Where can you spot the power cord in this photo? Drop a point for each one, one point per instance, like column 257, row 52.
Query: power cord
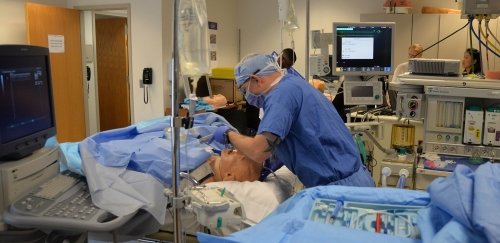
column 146, row 94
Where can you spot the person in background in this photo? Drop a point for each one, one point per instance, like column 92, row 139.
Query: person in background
column 414, row 51
column 286, row 59
column 471, row 62
column 300, row 127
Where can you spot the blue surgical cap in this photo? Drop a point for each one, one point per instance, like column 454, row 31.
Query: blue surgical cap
column 258, row 64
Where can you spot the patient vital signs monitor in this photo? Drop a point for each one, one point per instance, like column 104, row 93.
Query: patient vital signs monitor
column 363, row 93
column 363, row 48
column 362, row 51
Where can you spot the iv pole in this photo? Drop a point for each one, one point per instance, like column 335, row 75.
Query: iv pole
column 175, row 124
column 307, row 42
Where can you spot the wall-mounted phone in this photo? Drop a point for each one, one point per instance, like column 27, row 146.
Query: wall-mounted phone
column 147, row 79
column 87, row 78
column 89, row 74
column 147, row 76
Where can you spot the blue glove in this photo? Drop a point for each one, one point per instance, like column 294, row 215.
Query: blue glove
column 220, row 135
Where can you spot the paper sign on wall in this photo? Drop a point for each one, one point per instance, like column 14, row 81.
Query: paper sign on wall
column 212, row 30
column 56, row 43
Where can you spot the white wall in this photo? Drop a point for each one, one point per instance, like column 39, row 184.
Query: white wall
column 91, row 91
column 12, row 19
column 151, row 28
column 224, row 13
column 147, row 51
column 260, row 27
column 167, row 50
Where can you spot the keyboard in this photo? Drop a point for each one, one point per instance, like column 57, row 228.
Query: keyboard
column 62, row 203
column 57, row 185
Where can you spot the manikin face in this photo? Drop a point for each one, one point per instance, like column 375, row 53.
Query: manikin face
column 232, row 165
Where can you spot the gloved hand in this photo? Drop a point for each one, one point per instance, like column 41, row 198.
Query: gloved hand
column 220, row 135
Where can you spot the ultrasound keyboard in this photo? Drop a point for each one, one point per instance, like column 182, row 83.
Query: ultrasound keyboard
column 57, row 185
column 62, row 203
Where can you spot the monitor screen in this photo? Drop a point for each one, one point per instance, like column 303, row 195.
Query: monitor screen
column 363, row 48
column 363, row 93
column 26, row 104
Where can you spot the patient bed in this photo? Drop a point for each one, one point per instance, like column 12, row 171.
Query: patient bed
column 458, row 208
column 127, row 170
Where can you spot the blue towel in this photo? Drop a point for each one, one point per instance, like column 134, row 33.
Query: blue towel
column 465, row 204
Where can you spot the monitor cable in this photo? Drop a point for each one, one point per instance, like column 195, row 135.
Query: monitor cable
column 491, row 32
column 456, row 31
column 479, row 39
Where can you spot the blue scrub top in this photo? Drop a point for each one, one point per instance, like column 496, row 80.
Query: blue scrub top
column 292, row 71
column 315, row 143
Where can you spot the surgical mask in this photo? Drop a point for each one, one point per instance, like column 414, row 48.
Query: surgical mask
column 253, row 99
column 258, row 100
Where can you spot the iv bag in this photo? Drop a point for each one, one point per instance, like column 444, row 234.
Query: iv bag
column 290, row 22
column 192, row 38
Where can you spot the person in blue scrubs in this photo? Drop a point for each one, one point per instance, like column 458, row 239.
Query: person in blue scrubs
column 300, row 127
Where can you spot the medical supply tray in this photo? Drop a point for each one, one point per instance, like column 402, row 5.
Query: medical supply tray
column 397, row 220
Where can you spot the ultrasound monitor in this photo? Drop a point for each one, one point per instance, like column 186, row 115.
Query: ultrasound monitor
column 363, row 49
column 26, row 102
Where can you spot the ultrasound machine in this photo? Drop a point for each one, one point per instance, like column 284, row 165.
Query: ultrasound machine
column 35, row 197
